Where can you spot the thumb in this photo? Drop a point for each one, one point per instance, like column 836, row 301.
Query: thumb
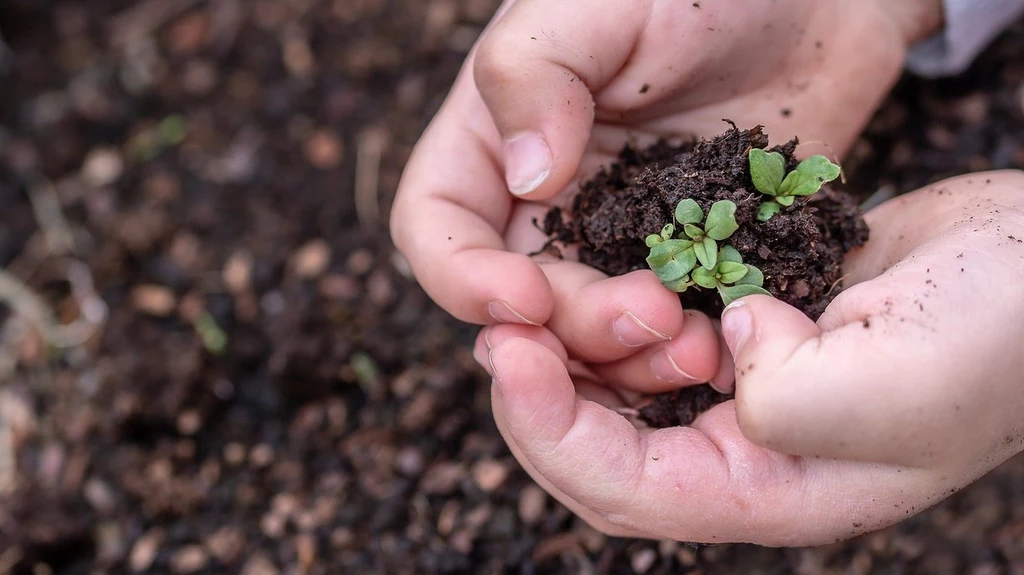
column 847, row 393
column 537, row 69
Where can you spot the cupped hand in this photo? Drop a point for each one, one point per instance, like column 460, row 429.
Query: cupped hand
column 554, row 89
column 906, row 389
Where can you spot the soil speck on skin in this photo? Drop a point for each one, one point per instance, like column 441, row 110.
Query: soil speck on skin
column 787, row 112
column 645, row 88
column 696, row 5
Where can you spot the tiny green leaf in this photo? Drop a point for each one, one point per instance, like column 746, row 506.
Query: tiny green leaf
column 809, row 176
column 653, row 240
column 820, row 168
column 688, row 212
column 731, row 272
column 705, row 278
column 668, row 231
column 754, row 277
column 679, row 285
column 730, row 294
column 767, row 170
column 672, row 259
column 693, row 232
column 707, row 253
column 721, row 220
column 729, row 254
column 767, row 209
column 711, row 247
column 785, row 200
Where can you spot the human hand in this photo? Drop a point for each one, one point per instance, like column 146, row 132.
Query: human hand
column 908, row 388
column 554, row 89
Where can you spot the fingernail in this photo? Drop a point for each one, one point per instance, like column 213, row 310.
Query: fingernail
column 487, row 338
column 665, row 369
column 727, row 389
column 494, row 372
column 527, row 163
column 504, row 313
column 631, row 332
column 737, row 326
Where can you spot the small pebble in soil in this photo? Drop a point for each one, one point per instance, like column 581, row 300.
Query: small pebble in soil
column 102, row 167
column 312, row 259
column 153, row 300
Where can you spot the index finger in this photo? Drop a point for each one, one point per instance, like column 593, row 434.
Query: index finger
column 449, row 215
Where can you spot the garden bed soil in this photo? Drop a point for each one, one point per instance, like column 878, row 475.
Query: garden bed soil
column 346, row 428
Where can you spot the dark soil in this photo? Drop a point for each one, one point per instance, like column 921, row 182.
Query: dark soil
column 681, row 407
column 345, row 428
column 800, row 250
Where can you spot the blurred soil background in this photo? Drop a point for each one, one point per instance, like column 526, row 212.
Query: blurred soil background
column 248, row 379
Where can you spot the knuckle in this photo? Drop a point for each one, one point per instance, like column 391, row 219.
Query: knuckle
column 758, row 416
column 495, row 65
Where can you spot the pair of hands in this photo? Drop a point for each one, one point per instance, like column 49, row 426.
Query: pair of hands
column 906, row 389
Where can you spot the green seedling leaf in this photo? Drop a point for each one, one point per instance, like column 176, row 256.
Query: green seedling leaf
column 213, row 337
column 694, row 232
column 809, row 176
column 731, row 272
column 365, row 370
column 767, row 170
column 729, row 254
column 767, row 210
column 671, row 260
column 653, row 240
column 688, row 212
column 721, row 220
column 730, row 294
column 705, row 278
column 707, row 253
column 785, row 200
column 680, row 285
column 668, row 231
column 754, row 277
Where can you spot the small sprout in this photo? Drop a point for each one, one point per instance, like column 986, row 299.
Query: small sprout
column 666, row 234
column 768, row 209
column 674, row 260
column 365, row 371
column 768, row 172
column 719, row 225
column 731, row 277
column 213, row 337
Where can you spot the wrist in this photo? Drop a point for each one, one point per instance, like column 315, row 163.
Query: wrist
column 916, row 19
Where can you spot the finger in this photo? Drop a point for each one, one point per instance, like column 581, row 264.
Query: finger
column 492, row 336
column 537, row 69
column 601, row 319
column 725, row 378
column 881, row 372
column 449, row 216
column 705, row 483
column 692, row 357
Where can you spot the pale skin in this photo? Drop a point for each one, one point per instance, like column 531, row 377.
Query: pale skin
column 905, row 390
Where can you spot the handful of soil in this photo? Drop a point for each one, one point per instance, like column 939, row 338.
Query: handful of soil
column 800, row 250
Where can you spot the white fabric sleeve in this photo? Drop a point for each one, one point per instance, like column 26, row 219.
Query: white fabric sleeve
column 970, row 26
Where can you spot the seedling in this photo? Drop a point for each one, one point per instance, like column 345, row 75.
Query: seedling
column 674, row 258
column 768, row 171
column 731, row 277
